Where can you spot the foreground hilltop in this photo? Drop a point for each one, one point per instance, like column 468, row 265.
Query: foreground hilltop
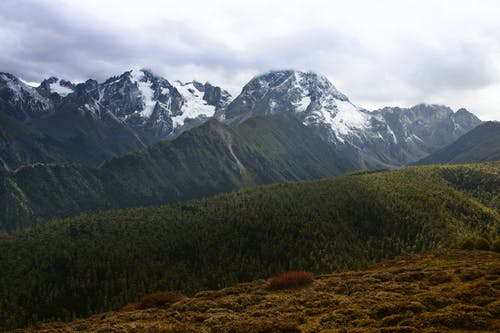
column 442, row 291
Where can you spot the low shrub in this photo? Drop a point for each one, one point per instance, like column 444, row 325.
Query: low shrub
column 290, row 280
column 474, row 243
column 482, row 243
column 466, row 244
column 161, row 299
column 495, row 246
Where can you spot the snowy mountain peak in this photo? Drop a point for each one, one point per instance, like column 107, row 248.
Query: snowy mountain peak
column 21, row 100
column 312, row 97
column 387, row 137
column 306, row 83
column 151, row 102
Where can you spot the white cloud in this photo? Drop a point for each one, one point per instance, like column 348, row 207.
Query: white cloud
column 377, row 52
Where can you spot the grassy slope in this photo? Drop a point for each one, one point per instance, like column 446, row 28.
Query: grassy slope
column 443, row 291
column 95, row 263
column 208, row 160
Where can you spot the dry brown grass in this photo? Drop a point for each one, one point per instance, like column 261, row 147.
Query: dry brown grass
column 445, row 291
column 160, row 299
column 290, row 280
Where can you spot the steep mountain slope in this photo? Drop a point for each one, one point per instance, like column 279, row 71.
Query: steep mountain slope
column 445, row 291
column 207, row 160
column 94, row 263
column 91, row 122
column 20, row 101
column 386, row 137
column 479, row 145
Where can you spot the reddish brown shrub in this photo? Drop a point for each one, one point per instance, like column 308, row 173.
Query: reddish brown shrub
column 160, row 299
column 290, row 280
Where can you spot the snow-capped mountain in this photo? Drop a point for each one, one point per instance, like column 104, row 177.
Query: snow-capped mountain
column 99, row 120
column 153, row 104
column 89, row 122
column 386, row 137
column 138, row 97
column 312, row 97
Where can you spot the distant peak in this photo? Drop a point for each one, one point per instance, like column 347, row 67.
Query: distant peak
column 463, row 111
column 52, row 79
column 7, row 76
column 289, row 79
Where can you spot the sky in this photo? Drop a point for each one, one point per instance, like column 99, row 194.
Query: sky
column 379, row 53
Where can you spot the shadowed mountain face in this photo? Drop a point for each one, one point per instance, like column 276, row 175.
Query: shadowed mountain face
column 207, row 160
column 478, row 145
column 89, row 122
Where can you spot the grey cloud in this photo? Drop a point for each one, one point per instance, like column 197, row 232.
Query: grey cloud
column 50, row 43
column 43, row 38
column 463, row 67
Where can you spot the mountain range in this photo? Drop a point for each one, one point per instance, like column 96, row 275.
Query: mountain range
column 90, row 122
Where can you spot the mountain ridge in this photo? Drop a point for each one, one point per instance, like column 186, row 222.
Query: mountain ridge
column 135, row 109
column 209, row 159
column 129, row 112
column 478, row 145
column 388, row 137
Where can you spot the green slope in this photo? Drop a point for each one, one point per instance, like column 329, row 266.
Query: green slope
column 207, row 160
column 94, row 263
column 481, row 144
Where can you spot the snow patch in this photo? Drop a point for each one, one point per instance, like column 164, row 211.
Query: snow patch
column 348, row 118
column 272, row 105
column 29, row 83
column 194, row 105
column 146, row 92
column 61, row 90
column 302, row 105
column 391, row 132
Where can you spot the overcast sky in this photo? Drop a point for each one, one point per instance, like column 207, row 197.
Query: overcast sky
column 378, row 53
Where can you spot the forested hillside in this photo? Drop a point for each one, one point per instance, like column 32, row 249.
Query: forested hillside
column 207, row 160
column 94, row 263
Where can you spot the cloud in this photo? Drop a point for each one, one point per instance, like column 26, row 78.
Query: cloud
column 378, row 53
